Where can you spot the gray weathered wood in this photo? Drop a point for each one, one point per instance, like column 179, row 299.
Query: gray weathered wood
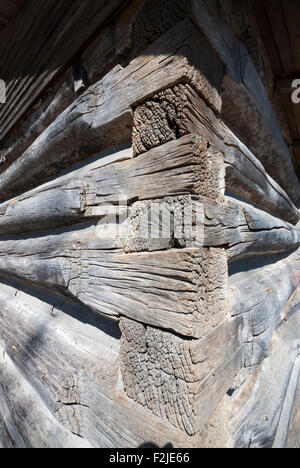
column 241, row 229
column 97, row 59
column 43, row 42
column 174, row 383
column 258, row 409
column 178, row 167
column 177, row 111
column 261, row 295
column 245, row 105
column 247, row 231
column 77, row 264
column 75, row 370
column 182, row 166
column 247, row 177
column 101, row 117
column 35, row 423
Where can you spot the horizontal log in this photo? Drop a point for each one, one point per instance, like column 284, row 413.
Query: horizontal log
column 178, row 167
column 255, row 419
column 164, row 223
column 186, row 221
column 247, row 178
column 36, row 427
column 170, row 114
column 262, row 295
column 177, row 111
column 97, row 60
column 183, row 166
column 245, row 175
column 293, row 434
column 246, row 231
column 42, row 49
column 245, row 105
column 83, row 266
column 75, row 370
column 101, row 117
column 288, row 407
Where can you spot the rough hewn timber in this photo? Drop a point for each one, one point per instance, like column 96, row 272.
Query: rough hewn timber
column 43, row 41
column 166, row 374
column 162, row 171
column 241, row 229
column 74, row 368
column 261, row 295
column 177, row 111
column 101, row 117
column 178, row 290
column 35, row 424
column 245, row 105
column 110, row 48
column 190, row 164
column 260, row 412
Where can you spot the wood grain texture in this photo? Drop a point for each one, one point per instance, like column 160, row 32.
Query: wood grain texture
column 177, row 111
column 179, row 166
column 245, row 105
column 261, row 295
column 43, row 43
column 247, row 231
column 166, row 374
column 187, row 165
column 35, row 424
column 152, row 286
column 112, row 46
column 174, row 288
column 255, row 415
column 101, row 117
column 186, row 221
column 72, row 370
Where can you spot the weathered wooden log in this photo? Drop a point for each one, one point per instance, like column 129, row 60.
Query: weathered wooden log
column 9, row 436
column 246, row 177
column 64, row 262
column 177, row 111
column 166, row 223
column 174, row 287
column 97, row 59
column 180, row 166
column 246, row 231
column 261, row 295
column 186, row 221
column 293, row 426
column 30, row 65
column 169, row 375
column 188, row 165
column 101, row 117
column 292, row 392
column 255, row 415
column 74, row 369
column 124, row 330
column 245, row 105
column 35, row 424
column 134, row 29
